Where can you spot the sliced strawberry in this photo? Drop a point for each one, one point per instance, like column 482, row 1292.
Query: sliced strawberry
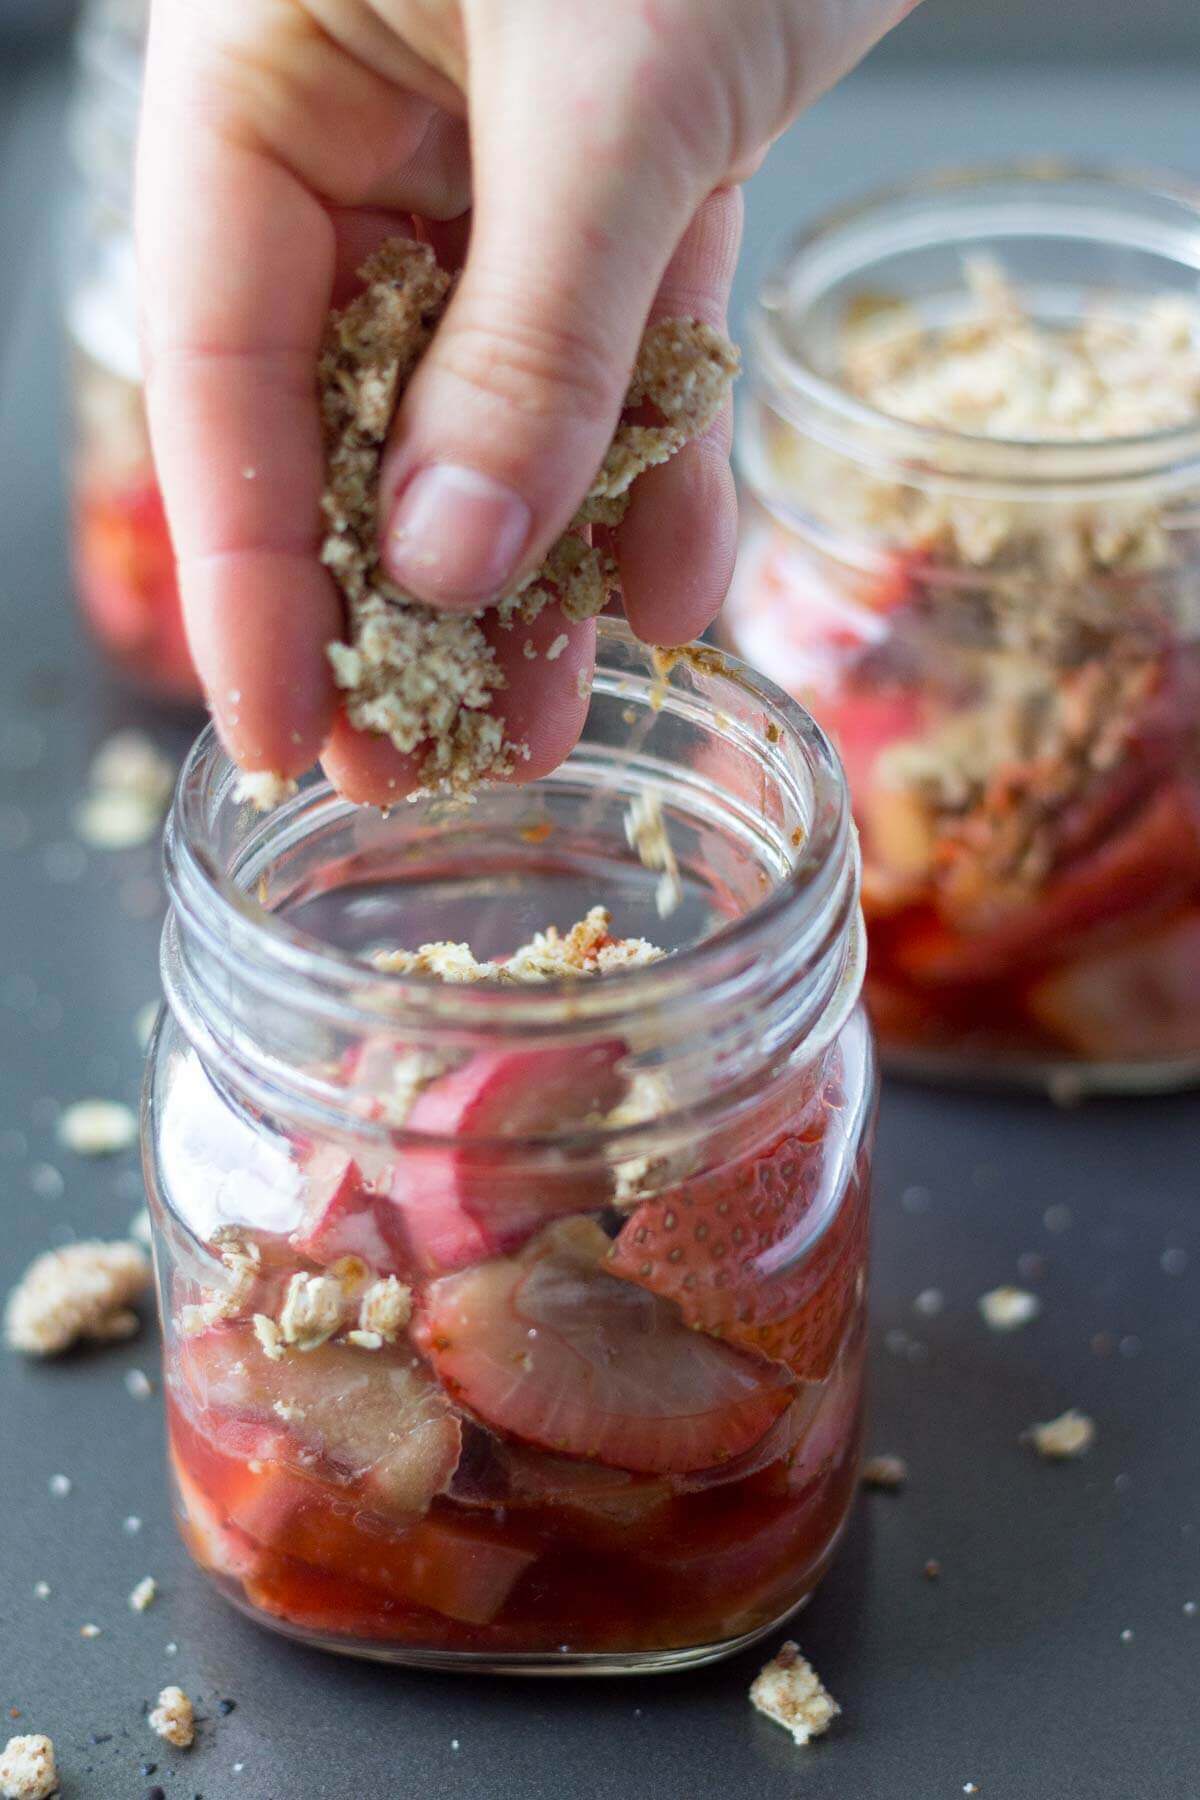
column 1146, row 868
column 462, row 1202
column 1140, row 1002
column 345, row 1216
column 371, row 1417
column 461, row 1570
column 730, row 1248
column 548, row 1347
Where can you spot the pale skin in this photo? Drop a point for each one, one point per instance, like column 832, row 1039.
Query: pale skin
column 594, row 149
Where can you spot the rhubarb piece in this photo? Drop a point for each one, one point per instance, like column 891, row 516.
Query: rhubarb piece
column 1138, row 1002
column 345, row 1216
column 731, row 1250
column 548, row 1347
column 466, row 1200
column 374, row 1419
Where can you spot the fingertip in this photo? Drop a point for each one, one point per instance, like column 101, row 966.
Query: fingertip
column 366, row 769
column 677, row 544
column 548, row 691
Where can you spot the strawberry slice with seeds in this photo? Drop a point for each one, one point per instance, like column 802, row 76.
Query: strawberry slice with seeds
column 464, row 1201
column 731, row 1249
column 549, row 1348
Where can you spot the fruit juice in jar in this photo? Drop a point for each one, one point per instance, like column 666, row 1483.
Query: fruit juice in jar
column 972, row 451
column 514, row 1294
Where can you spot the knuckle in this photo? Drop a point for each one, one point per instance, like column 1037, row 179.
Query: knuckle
column 543, row 370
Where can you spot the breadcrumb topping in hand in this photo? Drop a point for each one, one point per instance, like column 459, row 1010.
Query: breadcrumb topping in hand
column 419, row 676
column 789, row 1691
column 81, row 1291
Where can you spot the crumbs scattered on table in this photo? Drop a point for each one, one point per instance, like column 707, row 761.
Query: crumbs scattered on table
column 129, row 785
column 132, row 1525
column 89, row 1631
column 81, row 1291
column 932, row 1570
column 138, row 1384
column 97, row 1127
column 173, row 1717
column 1008, row 1308
column 144, row 1594
column 27, row 1768
column 887, row 1473
column 60, row 1486
column 42, row 1590
column 1071, row 1434
column 789, row 1691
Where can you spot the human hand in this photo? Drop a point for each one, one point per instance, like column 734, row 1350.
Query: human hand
column 599, row 144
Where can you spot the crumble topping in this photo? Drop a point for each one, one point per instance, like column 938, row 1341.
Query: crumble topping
column 129, row 786
column 789, row 1691
column 1071, row 1434
column 81, row 1291
column 174, row 1718
column 1008, row 1308
column 263, row 789
column 425, row 678
column 27, row 1768
column 97, row 1127
column 311, row 1311
column 588, row 948
column 268, row 1334
column 385, row 1309
column 241, row 1259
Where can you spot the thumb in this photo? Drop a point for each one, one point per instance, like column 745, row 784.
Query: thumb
column 577, row 208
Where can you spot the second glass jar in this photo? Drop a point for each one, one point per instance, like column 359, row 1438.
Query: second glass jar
column 521, row 1326
column 1002, row 636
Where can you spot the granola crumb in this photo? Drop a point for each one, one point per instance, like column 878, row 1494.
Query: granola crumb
column 1072, row 1434
column 174, row 1718
column 144, row 1594
column 81, row 1291
column 288, row 1411
column 424, row 678
column 588, row 948
column 385, row 1308
column 263, row 789
column 932, row 1570
column 789, row 1691
column 138, row 1384
column 311, row 1311
column 27, row 1768
column 97, row 1127
column 364, row 1340
column 888, row 1473
column 60, row 1486
column 129, row 785
column 1008, row 1308
column 268, row 1335
column 556, row 649
column 41, row 1590
column 131, row 1525
column 89, row 1631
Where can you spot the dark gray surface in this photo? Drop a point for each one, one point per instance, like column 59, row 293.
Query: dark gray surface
column 1010, row 1671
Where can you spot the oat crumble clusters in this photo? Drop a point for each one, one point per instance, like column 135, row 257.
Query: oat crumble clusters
column 174, row 1718
column 311, row 1311
column 426, row 678
column 263, row 789
column 241, row 1259
column 27, row 1768
column 887, row 1473
column 1071, row 1434
column 144, row 1594
column 129, row 786
column 385, row 1308
column 1008, row 1308
column 789, row 1691
column 81, row 1291
column 588, row 948
column 97, row 1127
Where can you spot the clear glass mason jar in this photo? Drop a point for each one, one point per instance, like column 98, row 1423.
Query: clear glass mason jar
column 123, row 562
column 1002, row 637
column 621, row 1428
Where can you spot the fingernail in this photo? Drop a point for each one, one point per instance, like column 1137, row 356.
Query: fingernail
column 456, row 535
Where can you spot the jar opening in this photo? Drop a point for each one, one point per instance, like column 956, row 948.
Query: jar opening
column 268, row 955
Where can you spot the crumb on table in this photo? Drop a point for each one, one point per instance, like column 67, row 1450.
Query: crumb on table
column 27, row 1768
column 789, row 1691
column 173, row 1717
column 80, row 1291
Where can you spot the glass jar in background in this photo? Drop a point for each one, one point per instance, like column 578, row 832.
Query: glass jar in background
column 521, row 1325
column 121, row 550
column 971, row 450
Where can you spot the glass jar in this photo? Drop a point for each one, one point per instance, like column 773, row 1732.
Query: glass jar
column 123, row 562
column 1000, row 634
column 601, row 1409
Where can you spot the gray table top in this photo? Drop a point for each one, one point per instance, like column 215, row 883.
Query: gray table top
column 1058, row 1654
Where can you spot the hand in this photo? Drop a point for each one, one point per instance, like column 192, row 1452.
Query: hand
column 598, row 144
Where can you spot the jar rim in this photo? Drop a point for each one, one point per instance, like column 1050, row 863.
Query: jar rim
column 798, row 390
column 811, row 908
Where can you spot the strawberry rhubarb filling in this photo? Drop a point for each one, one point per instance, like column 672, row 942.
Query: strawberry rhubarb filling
column 479, row 1398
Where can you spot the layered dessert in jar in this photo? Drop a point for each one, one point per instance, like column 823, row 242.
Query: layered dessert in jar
column 972, row 551
column 514, row 1282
